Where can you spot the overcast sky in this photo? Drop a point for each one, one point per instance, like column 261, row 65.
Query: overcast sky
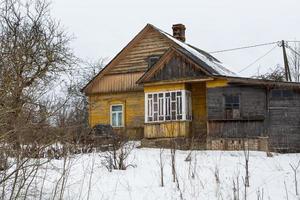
column 103, row 28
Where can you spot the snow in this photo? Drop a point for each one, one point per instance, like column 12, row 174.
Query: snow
column 267, row 174
column 221, row 70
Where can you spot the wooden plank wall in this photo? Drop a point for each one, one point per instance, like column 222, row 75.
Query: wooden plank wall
column 167, row 129
column 199, row 116
column 136, row 59
column 236, row 128
column 165, row 87
column 252, row 101
column 177, row 68
column 285, row 122
column 261, row 115
column 124, row 74
column 252, row 109
column 99, row 111
column 118, row 83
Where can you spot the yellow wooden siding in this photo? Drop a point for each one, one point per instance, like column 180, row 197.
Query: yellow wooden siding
column 199, row 109
column 135, row 60
column 99, row 111
column 167, row 129
column 121, row 75
column 118, row 83
column 168, row 87
column 217, row 83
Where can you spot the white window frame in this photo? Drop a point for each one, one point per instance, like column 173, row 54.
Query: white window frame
column 111, row 114
column 163, row 112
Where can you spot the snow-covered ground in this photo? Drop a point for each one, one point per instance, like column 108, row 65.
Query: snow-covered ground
column 272, row 177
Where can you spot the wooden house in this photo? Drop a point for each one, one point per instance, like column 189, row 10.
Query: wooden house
column 159, row 86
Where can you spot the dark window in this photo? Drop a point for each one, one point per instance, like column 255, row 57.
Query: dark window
column 287, row 93
column 232, row 106
column 152, row 60
column 277, row 93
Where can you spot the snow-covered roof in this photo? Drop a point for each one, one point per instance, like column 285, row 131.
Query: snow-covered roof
column 212, row 64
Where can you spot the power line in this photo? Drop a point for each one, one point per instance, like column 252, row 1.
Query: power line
column 292, row 41
column 258, row 59
column 290, row 48
column 245, row 47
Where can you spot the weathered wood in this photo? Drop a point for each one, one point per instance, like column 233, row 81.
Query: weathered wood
column 199, row 116
column 150, row 44
column 252, row 106
column 261, row 115
column 147, row 42
column 167, row 129
column 177, row 68
column 236, row 129
column 253, row 101
column 133, row 102
column 165, row 87
column 285, row 121
column 118, row 83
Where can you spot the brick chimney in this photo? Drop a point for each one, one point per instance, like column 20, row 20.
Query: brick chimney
column 179, row 32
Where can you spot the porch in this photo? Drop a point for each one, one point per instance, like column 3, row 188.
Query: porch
column 176, row 110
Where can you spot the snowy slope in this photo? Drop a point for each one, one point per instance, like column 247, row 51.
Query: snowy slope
column 267, row 175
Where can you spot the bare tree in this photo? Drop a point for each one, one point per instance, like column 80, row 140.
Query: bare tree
column 277, row 74
column 173, row 159
column 34, row 53
column 295, row 170
column 76, row 115
column 161, row 164
column 236, row 188
column 294, row 61
column 286, row 191
column 246, row 178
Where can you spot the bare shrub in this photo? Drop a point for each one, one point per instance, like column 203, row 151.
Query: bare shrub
column 161, row 164
column 218, row 182
column 246, row 157
column 173, row 159
column 295, row 171
column 260, row 194
column 236, row 188
column 116, row 158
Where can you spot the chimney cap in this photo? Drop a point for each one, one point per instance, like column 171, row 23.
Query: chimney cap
column 178, row 26
column 179, row 32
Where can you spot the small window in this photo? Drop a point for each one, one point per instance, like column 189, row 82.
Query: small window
column 278, row 94
column 287, row 93
column 117, row 116
column 152, row 60
column 232, row 106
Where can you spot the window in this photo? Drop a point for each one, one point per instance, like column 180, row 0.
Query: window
column 232, row 106
column 152, row 60
column 117, row 116
column 167, row 106
column 276, row 93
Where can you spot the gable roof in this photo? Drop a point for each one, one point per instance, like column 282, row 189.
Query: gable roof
column 165, row 58
column 208, row 62
column 116, row 59
column 200, row 56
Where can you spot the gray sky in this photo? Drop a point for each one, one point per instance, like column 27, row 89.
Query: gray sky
column 103, row 28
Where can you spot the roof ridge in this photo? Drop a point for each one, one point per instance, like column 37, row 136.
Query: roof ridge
column 205, row 57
